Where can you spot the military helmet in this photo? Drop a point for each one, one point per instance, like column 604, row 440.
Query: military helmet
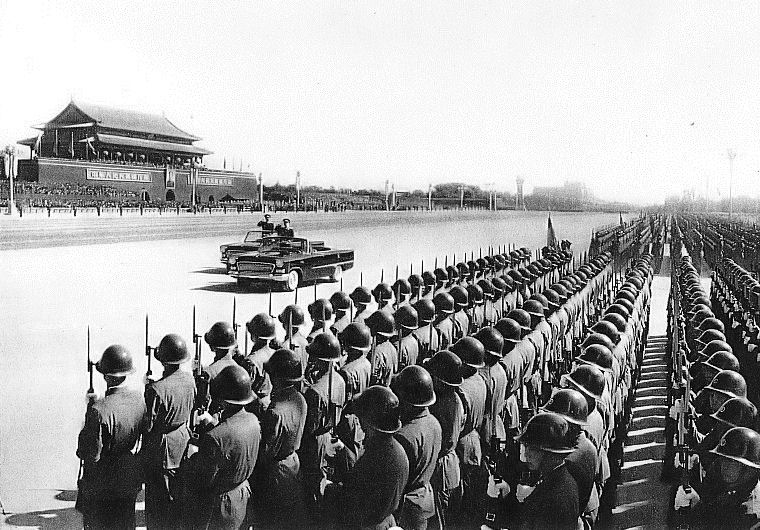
column 740, row 444
column 474, row 294
column 401, row 287
column 587, row 379
column 709, row 335
column 625, row 303
column 616, row 320
column 699, row 313
column 635, row 280
column 414, row 385
column 356, row 336
column 382, row 292
column 511, row 286
column 619, row 309
column 324, row 347
column 381, row 323
column 378, row 407
column 261, row 326
column 499, row 287
column 598, row 338
column 284, row 364
column 459, row 294
column 570, row 404
column 715, row 346
column 406, row 317
column 444, row 303
column 597, row 354
column 446, row 367
column 470, row 350
column 320, row 310
column 728, row 383
column 464, row 270
column 533, row 308
column 115, row 361
column 473, row 267
column 521, row 317
column 492, row 340
column 292, row 313
column 361, row 295
column 737, row 412
column 516, row 276
column 487, row 288
column 722, row 360
column 172, row 350
column 510, row 330
column 441, row 276
column 608, row 329
column 547, row 431
column 561, row 290
column 543, row 300
column 220, row 336
column 553, row 298
column 415, row 282
column 232, row 385
column 428, row 279
column 340, row 301
column 712, row 323
column 452, row 273
column 483, row 264
column 425, row 310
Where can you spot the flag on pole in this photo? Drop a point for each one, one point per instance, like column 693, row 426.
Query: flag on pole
column 224, row 163
column 551, row 237
column 71, row 144
column 55, row 144
column 621, row 219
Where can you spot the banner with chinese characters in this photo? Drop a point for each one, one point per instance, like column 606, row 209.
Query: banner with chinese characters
column 119, row 175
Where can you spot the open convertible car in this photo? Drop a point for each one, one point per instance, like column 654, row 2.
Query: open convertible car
column 288, row 261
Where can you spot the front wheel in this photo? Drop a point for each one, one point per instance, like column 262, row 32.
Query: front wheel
column 291, row 283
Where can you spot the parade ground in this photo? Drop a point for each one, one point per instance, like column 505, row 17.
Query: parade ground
column 61, row 276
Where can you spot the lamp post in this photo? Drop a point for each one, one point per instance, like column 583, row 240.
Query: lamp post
column 731, row 156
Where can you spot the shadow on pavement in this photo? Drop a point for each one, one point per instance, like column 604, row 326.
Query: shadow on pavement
column 211, row 270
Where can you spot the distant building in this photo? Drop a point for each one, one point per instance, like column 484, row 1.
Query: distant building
column 571, row 195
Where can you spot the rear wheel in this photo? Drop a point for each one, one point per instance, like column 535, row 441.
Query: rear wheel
column 337, row 274
column 291, row 283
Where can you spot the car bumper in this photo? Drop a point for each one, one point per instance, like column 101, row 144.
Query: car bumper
column 275, row 277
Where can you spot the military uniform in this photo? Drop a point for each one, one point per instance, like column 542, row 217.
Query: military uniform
column 445, row 329
column 473, row 394
column 408, row 351
column 217, row 475
column 553, row 504
column 262, row 386
column 341, row 321
column 111, row 474
column 169, row 402
column 429, row 340
column 462, row 324
column 384, row 360
column 446, row 480
column 213, row 369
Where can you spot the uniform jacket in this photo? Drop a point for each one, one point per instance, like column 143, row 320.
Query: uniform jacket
column 449, row 412
column 420, row 436
column 428, row 338
column 445, row 329
column 384, row 360
column 408, row 351
column 169, row 402
column 357, row 375
column 553, row 504
column 582, row 465
column 218, row 365
column 496, row 398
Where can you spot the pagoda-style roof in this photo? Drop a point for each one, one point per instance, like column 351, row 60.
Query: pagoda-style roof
column 79, row 114
column 150, row 144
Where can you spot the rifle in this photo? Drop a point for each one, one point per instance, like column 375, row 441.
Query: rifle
column 148, row 349
column 201, row 386
column 235, row 325
column 90, row 364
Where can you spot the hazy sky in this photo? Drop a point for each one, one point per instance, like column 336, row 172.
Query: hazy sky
column 640, row 100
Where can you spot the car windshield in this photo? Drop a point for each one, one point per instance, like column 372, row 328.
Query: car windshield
column 280, row 244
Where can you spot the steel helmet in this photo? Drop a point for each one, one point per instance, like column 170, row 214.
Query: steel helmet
column 570, row 404
column 459, row 294
column 115, row 361
column 533, row 308
column 464, row 270
column 715, row 346
column 538, row 297
column 553, row 298
column 598, row 355
column 320, row 310
column 616, row 320
column 728, row 383
column 284, row 364
column 712, row 323
column 401, row 287
column 340, row 301
column 474, row 294
column 428, row 279
column 451, row 273
column 740, row 444
column 406, row 317
column 619, row 309
column 441, row 276
column 625, row 303
column 608, row 329
column 443, row 303
column 471, row 351
column 361, row 295
column 492, row 340
column 700, row 315
column 587, row 379
column 261, row 326
column 737, row 412
column 172, row 350
column 220, row 336
column 487, row 288
column 710, row 335
column 561, row 290
column 722, row 360
column 446, row 367
column 549, row 432
column 636, row 281
column 499, row 287
column 521, row 317
column 482, row 264
column 473, row 267
column 381, row 323
column 516, row 276
column 324, row 347
column 356, row 336
column 232, row 385
column 293, row 313
column 414, row 386
column 425, row 310
column 382, row 292
column 510, row 330
column 415, row 282
column 378, row 407
column 510, row 283
column 598, row 338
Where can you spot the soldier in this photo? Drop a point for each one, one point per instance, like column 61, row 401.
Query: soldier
column 384, row 356
column 541, row 337
column 490, row 315
column 110, row 477
column 445, row 368
column 426, row 333
column 428, row 285
column 362, row 298
column 420, row 436
column 477, row 309
column 441, row 279
column 473, row 393
column 321, row 313
column 402, row 291
column 496, row 386
column 262, row 330
column 341, row 303
column 292, row 318
column 554, row 501
column 444, row 322
column 373, row 490
column 512, row 363
column 266, row 226
column 217, row 474
column 325, row 398
column 499, row 301
column 284, row 230
column 408, row 345
column 169, row 403
column 278, row 485
column 383, row 296
column 416, row 283
column 461, row 318
column 221, row 339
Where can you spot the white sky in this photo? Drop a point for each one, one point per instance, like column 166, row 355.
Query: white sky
column 353, row 93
